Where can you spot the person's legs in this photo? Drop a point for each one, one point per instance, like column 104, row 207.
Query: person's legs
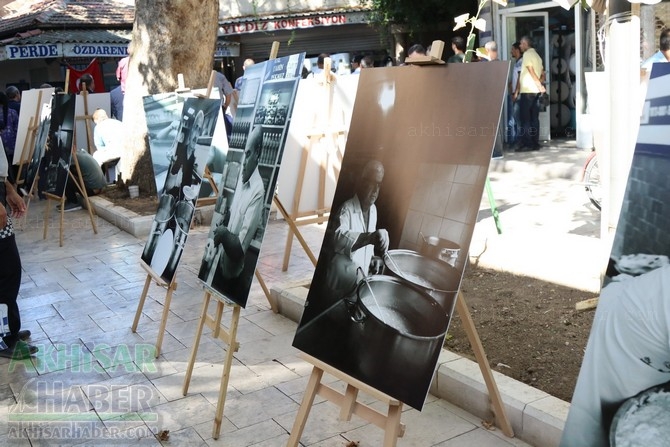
column 525, row 103
column 10, row 281
column 534, row 123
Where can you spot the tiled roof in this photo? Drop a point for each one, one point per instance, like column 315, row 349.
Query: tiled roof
column 74, row 36
column 50, row 14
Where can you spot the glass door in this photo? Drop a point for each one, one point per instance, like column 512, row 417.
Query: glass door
column 536, row 26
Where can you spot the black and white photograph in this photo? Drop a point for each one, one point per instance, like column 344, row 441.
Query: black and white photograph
column 622, row 394
column 189, row 153
column 41, row 134
column 251, row 169
column 59, row 144
column 404, row 209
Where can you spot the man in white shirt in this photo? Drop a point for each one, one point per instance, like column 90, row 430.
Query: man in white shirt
column 355, row 237
column 233, row 238
column 107, row 137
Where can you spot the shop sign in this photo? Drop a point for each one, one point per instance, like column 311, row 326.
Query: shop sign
column 35, row 51
column 41, row 51
column 227, row 51
column 261, row 24
column 95, row 50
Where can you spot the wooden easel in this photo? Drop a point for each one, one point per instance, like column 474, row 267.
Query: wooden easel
column 390, row 422
column 90, row 145
column 348, row 403
column 321, row 129
column 226, row 334
column 79, row 183
column 170, row 288
column 152, row 275
column 29, row 143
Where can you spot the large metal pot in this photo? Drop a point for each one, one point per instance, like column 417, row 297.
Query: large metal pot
column 441, row 249
column 436, row 278
column 396, row 336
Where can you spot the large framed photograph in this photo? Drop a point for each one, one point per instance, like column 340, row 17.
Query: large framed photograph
column 250, row 174
column 402, row 218
column 58, row 153
column 622, row 394
column 186, row 158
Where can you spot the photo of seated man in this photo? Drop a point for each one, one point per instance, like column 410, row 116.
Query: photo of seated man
column 230, row 239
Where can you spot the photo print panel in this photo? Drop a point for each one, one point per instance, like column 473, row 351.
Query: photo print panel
column 163, row 115
column 248, row 184
column 187, row 157
column 32, row 105
column 622, row 396
column 56, row 159
column 403, row 213
column 38, row 150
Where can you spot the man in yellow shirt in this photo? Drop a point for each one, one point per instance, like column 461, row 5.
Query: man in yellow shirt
column 529, row 90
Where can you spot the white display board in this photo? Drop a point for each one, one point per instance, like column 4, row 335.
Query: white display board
column 318, row 108
column 29, row 109
column 95, row 101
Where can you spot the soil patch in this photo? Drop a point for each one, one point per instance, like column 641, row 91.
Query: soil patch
column 529, row 328
column 142, row 205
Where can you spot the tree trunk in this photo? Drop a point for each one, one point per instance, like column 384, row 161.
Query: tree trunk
column 169, row 37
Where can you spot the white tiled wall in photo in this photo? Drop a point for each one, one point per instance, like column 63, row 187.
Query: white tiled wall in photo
column 444, row 203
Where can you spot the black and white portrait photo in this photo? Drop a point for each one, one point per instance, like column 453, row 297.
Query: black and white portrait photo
column 182, row 181
column 38, row 149
column 59, row 144
column 249, row 177
column 384, row 287
column 622, row 394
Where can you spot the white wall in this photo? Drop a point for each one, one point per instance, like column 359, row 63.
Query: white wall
column 245, row 8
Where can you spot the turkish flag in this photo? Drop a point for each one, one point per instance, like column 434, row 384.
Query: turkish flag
column 94, row 70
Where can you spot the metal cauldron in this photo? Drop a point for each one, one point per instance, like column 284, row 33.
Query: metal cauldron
column 438, row 248
column 396, row 327
column 436, row 278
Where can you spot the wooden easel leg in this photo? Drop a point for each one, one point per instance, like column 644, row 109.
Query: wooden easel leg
column 223, row 389
column 217, row 318
column 392, row 430
column 295, row 230
column 480, row 355
column 266, row 291
column 140, row 305
column 350, row 396
column 305, row 407
column 62, row 219
column 196, row 342
column 164, row 318
column 47, row 211
column 287, row 251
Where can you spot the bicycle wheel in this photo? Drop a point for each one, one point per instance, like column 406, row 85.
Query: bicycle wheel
column 592, row 182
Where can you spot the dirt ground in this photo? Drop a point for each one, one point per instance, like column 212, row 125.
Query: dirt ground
column 142, row 205
column 529, row 328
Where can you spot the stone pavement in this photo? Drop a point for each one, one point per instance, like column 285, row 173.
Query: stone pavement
column 103, row 386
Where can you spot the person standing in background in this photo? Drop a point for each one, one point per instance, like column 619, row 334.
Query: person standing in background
column 458, row 47
column 491, row 50
column 14, row 96
column 239, row 82
column 530, row 89
column 513, row 89
column 9, row 125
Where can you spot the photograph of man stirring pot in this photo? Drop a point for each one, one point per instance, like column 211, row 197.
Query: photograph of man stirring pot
column 402, row 218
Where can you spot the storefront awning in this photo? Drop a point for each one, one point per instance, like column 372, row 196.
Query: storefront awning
column 67, row 43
